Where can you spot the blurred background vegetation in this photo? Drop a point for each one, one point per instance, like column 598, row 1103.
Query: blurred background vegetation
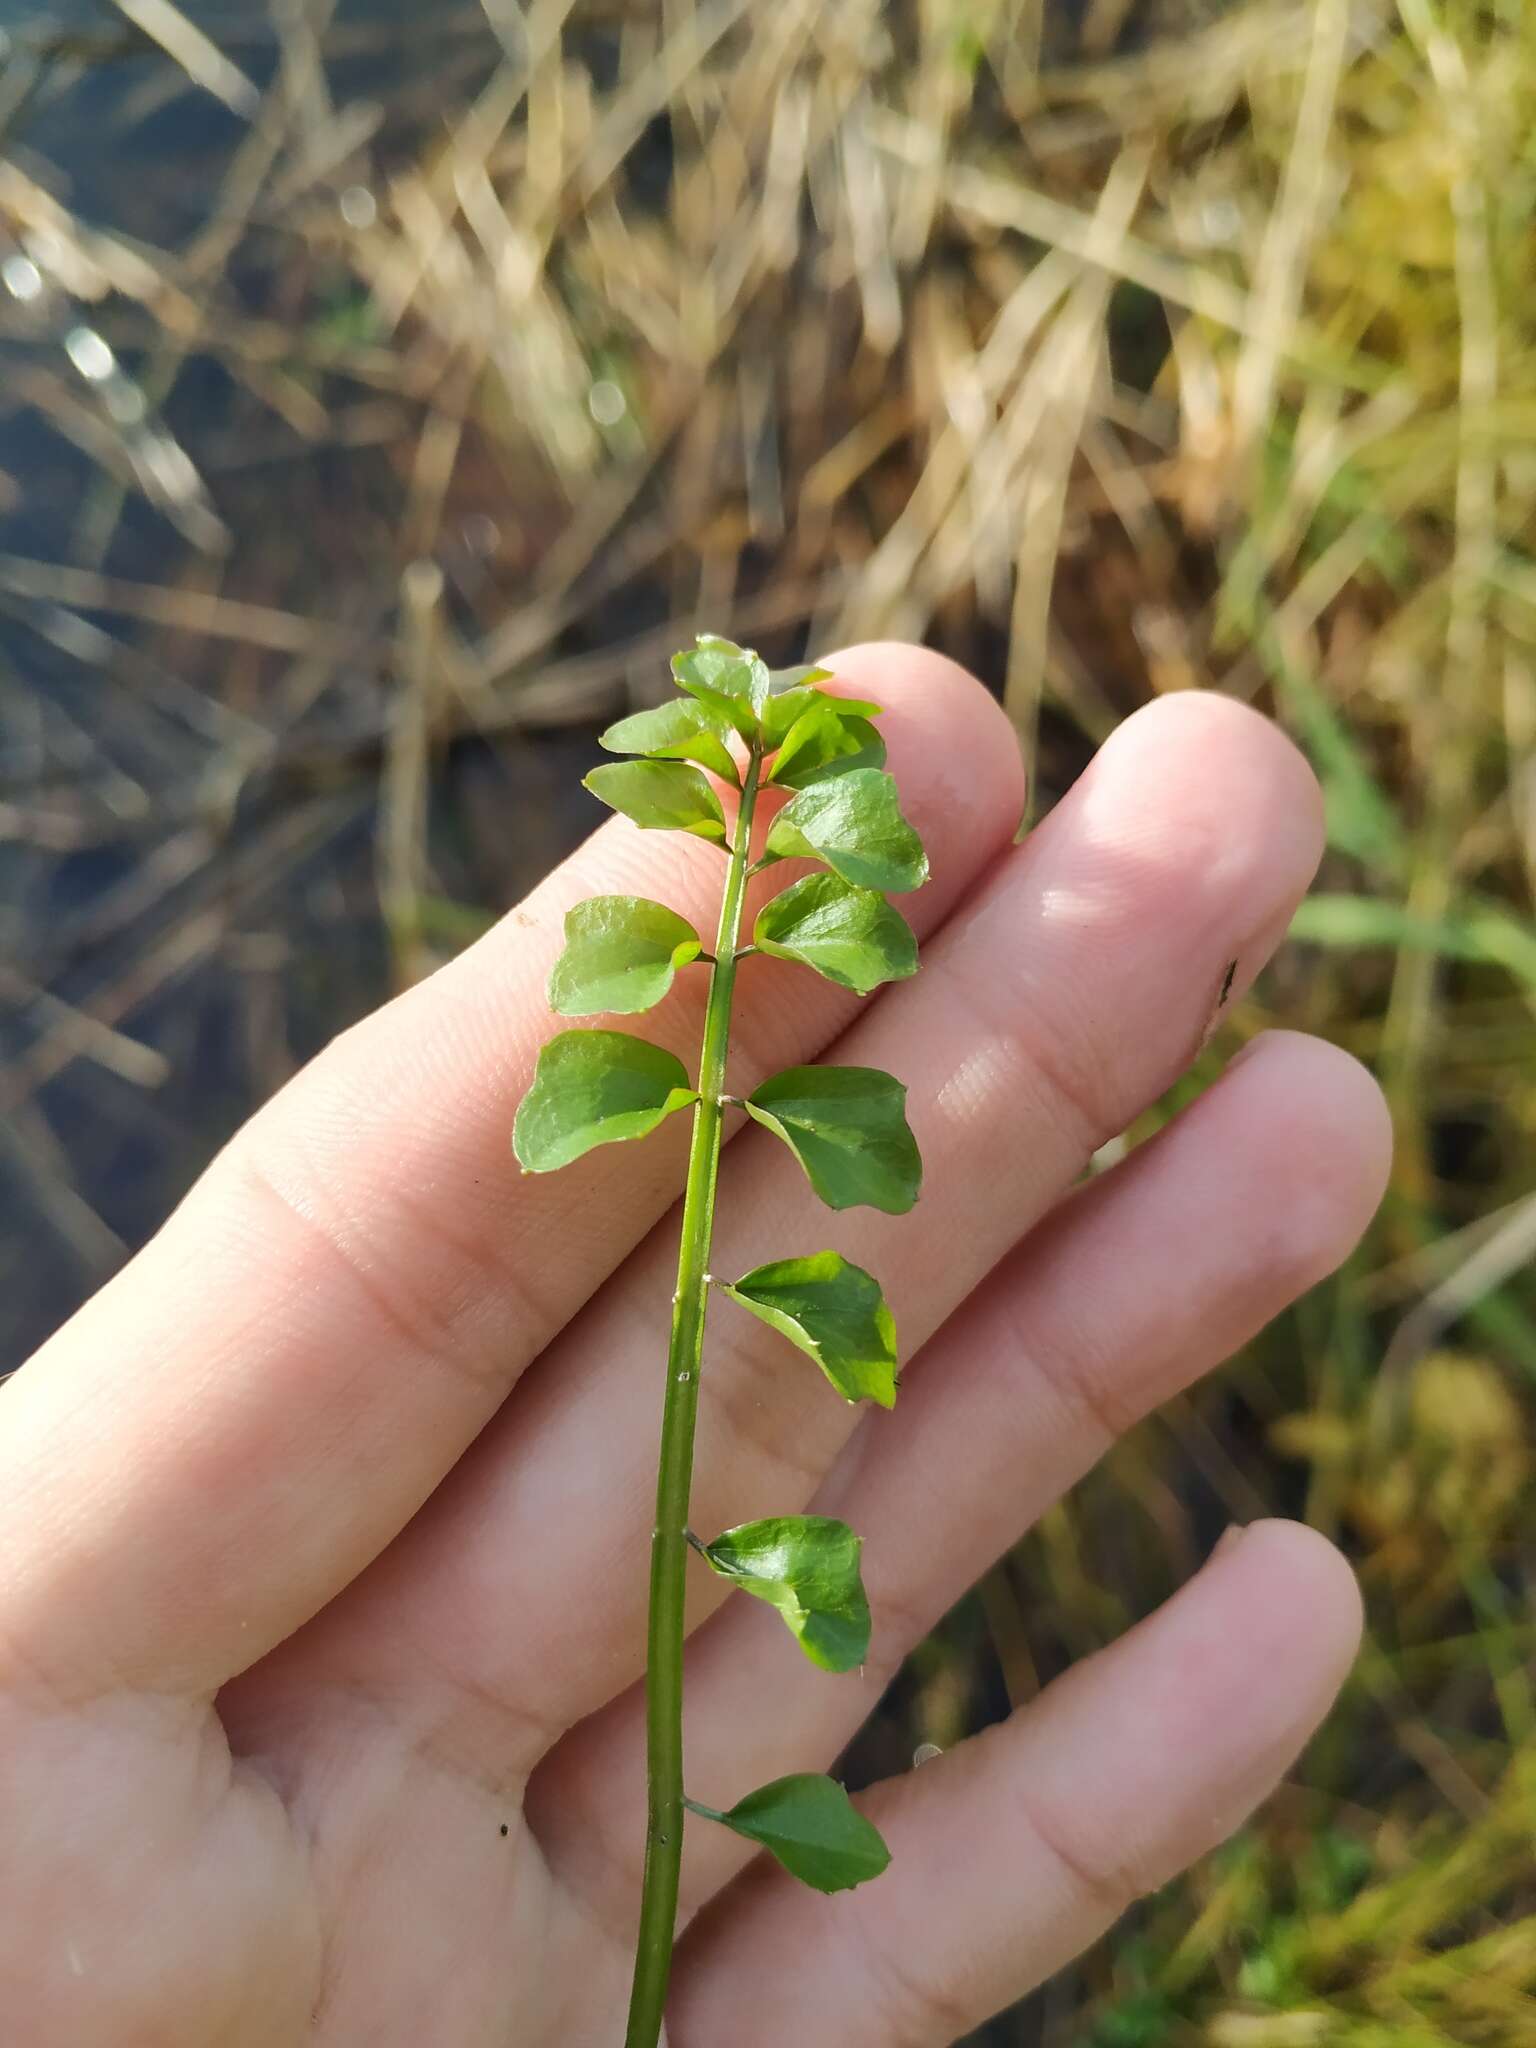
column 386, row 390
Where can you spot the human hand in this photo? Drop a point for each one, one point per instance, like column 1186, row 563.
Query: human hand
column 324, row 1526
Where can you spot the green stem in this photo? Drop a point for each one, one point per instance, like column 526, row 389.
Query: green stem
column 669, row 1539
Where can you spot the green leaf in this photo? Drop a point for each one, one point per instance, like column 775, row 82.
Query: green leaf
column 661, row 796
column 1473, row 930
column 593, row 1088
column 847, row 1128
column 852, row 936
column 1362, row 818
column 782, row 679
column 621, row 953
column 680, row 730
column 834, row 1311
column 731, row 681
column 807, row 1566
column 852, row 822
column 784, row 710
column 759, row 682
column 736, row 713
column 809, row 1824
column 824, row 743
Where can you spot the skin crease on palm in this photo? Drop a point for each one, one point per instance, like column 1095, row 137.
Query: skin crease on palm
column 323, row 1527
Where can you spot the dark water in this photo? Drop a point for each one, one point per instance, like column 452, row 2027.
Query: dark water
column 187, row 824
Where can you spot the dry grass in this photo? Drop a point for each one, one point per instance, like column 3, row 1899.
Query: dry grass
column 410, row 387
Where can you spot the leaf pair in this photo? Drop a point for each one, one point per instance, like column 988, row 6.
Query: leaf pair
column 851, row 821
column 846, row 1125
column 622, row 952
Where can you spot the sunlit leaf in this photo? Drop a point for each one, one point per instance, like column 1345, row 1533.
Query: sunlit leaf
column 593, row 1088
column 759, row 683
column 730, row 681
column 847, row 1127
column 679, row 730
column 781, row 712
column 811, row 1826
column 823, row 743
column 621, row 953
column 834, row 1311
column 807, row 1566
column 852, row 936
column 735, row 711
column 782, row 679
column 852, row 822
column 661, row 796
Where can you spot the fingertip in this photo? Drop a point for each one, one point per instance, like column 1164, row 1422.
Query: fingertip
column 1207, row 723
column 1192, row 1719
column 1226, row 794
column 1325, row 1122
column 1206, row 1704
column 1306, row 1605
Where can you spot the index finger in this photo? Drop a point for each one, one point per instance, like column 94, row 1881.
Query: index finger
column 247, row 1414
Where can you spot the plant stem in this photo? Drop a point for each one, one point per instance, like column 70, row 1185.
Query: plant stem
column 669, row 1539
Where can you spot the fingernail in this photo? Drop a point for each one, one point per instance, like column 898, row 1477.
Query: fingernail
column 1228, row 1540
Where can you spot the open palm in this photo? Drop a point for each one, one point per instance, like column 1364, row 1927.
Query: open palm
column 324, row 1527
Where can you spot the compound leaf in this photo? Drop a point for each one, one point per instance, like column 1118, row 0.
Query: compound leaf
column 807, row 1566
column 834, row 1311
column 621, row 953
column 809, row 1824
column 848, row 1129
column 593, row 1088
column 679, row 730
column 853, row 822
column 660, row 796
column 852, row 936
